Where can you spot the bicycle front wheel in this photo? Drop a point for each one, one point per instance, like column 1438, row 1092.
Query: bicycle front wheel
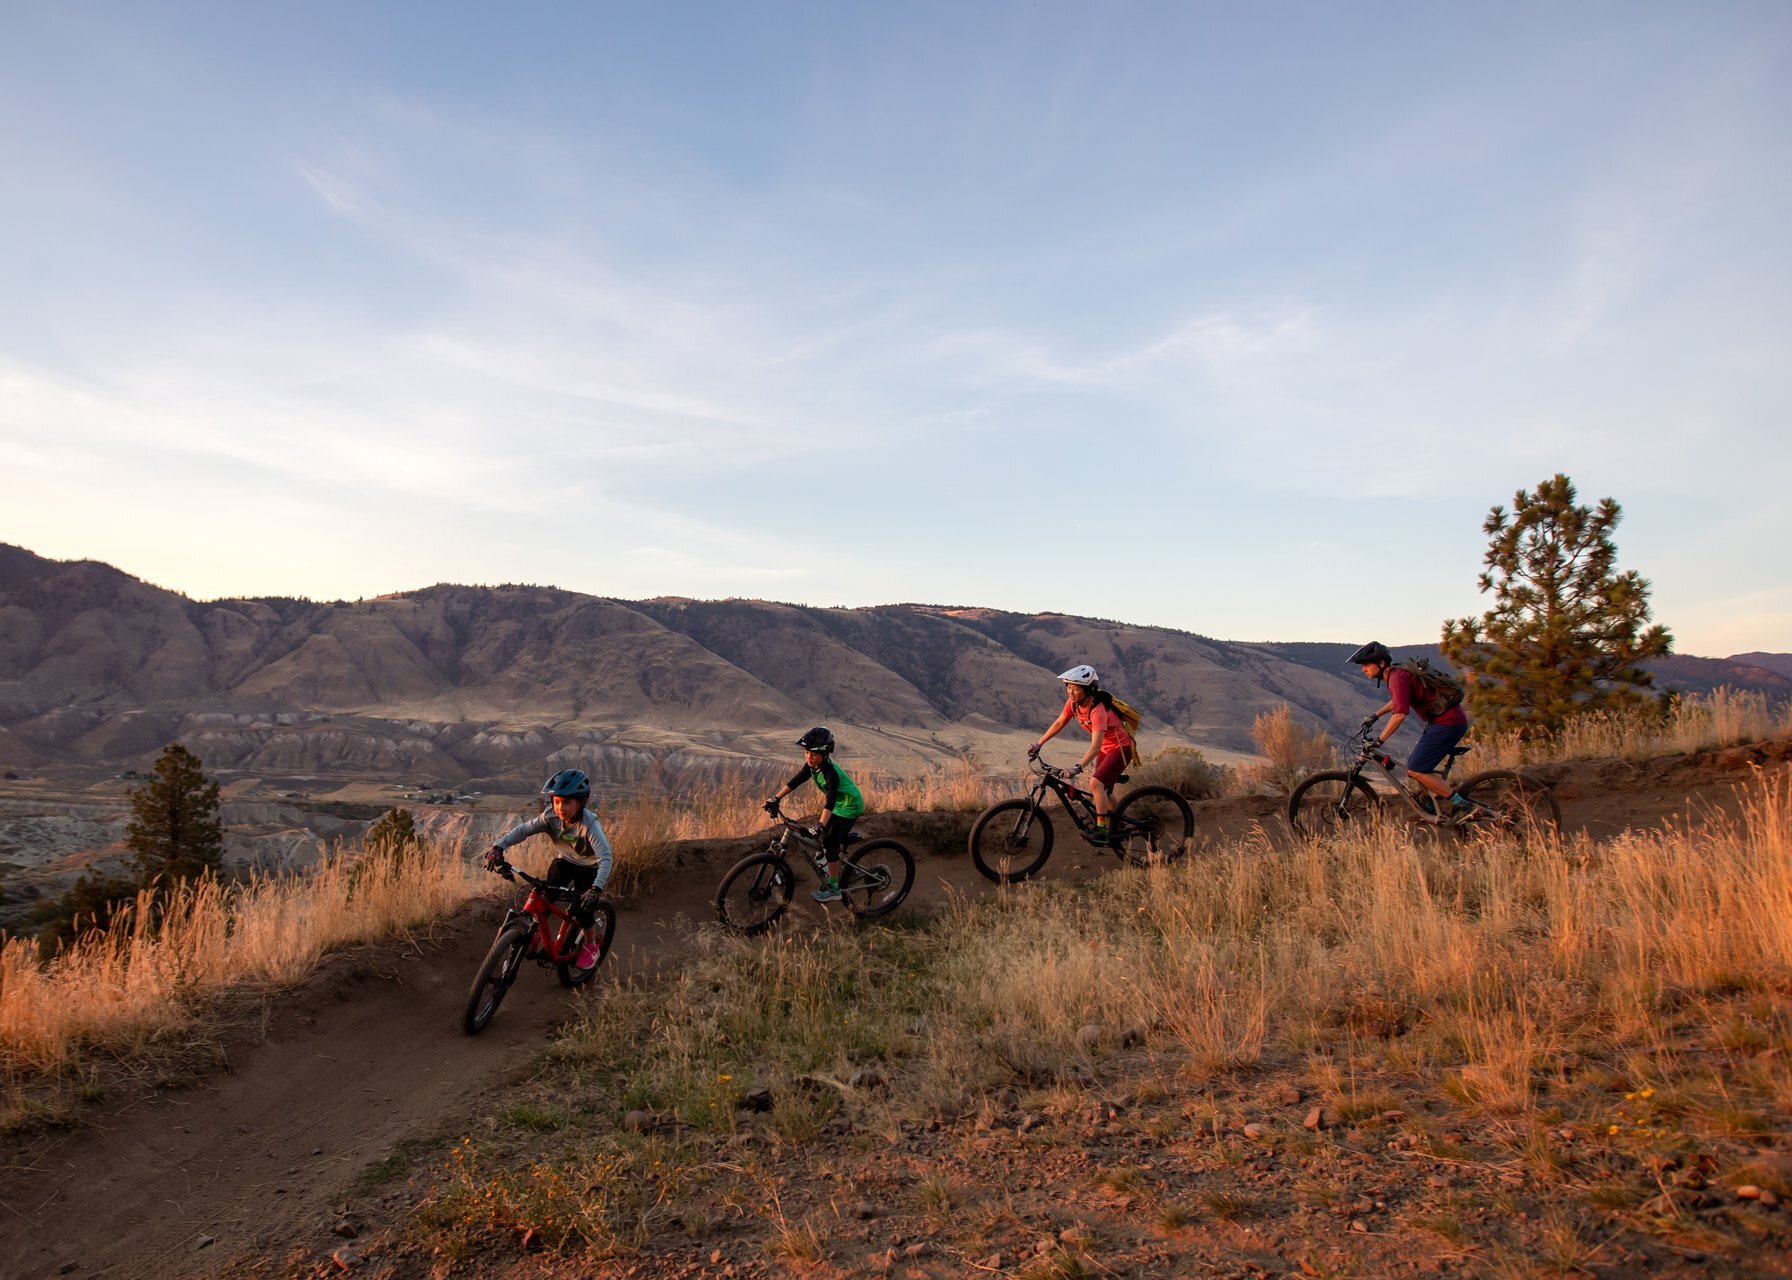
column 603, row 927
column 495, row 975
column 1010, row 841
column 1329, row 803
column 1152, row 825
column 876, row 876
column 754, row 893
column 1517, row 805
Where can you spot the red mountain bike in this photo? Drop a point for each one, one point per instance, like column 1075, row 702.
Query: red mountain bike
column 540, row 930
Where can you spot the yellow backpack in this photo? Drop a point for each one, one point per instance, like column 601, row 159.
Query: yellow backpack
column 1130, row 718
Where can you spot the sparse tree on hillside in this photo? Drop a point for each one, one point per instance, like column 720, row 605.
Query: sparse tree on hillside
column 175, row 833
column 394, row 831
column 1567, row 631
column 90, row 904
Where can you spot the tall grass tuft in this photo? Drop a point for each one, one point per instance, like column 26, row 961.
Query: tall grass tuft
column 1290, row 750
column 143, row 977
column 1724, row 718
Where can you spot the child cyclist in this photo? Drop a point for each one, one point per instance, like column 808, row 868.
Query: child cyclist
column 581, row 850
column 840, row 803
column 1109, row 740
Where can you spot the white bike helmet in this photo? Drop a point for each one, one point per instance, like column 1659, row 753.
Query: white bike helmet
column 1082, row 674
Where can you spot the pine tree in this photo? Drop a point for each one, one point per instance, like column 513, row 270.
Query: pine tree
column 394, row 831
column 174, row 832
column 1567, row 631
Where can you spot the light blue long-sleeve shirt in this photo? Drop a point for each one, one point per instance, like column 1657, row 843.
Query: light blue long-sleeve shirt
column 581, row 841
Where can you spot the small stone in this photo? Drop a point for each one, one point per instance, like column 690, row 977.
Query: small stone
column 919, row 1249
column 638, row 1121
column 204, row 1242
column 1767, row 1199
column 864, row 1078
column 1393, row 1117
column 1131, row 1038
column 345, row 1229
column 1748, row 1192
column 1256, row 1131
column 758, row 1098
column 68, row 1268
column 1044, row 1245
column 864, row 1209
column 1090, row 1036
column 1315, row 1119
column 1357, row 1224
column 993, row 1262
column 1031, row 1121
column 346, row 1258
column 1287, row 1096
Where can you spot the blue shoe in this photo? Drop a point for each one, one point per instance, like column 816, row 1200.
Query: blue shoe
column 829, row 891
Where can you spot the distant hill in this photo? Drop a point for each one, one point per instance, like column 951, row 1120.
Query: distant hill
column 495, row 685
column 455, row 684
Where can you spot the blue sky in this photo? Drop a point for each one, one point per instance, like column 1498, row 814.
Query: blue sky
column 1235, row 318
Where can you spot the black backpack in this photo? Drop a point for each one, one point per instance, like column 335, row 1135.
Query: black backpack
column 1435, row 691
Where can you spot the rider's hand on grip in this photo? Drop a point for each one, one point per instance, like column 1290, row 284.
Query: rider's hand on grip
column 1033, row 752
column 1369, row 720
column 771, row 806
column 494, row 858
column 1074, row 770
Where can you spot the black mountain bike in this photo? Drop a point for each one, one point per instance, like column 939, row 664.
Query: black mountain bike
column 1011, row 840
column 1502, row 800
column 875, row 876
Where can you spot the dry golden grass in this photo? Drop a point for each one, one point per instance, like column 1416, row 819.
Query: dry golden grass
column 1481, row 970
column 143, row 979
column 1290, row 750
column 1725, row 718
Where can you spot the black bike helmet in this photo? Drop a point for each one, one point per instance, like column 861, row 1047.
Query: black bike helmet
column 1374, row 651
column 817, row 739
column 571, row 783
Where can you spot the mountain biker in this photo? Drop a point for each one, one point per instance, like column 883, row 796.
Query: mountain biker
column 841, row 802
column 1093, row 708
column 581, row 850
column 1444, row 728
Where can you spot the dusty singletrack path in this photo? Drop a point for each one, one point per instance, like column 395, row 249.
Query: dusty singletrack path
column 367, row 1057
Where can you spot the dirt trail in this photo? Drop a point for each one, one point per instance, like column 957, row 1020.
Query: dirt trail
column 367, row 1056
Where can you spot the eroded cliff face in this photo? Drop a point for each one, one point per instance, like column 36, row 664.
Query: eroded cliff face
column 455, row 683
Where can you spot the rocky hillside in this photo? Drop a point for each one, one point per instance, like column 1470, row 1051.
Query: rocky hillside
column 451, row 684
column 490, row 686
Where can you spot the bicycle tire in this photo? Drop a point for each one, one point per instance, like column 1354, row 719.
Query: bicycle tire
column 603, row 920
column 1330, row 802
column 1152, row 825
column 1523, row 806
column 755, row 892
column 496, row 972
column 1007, row 833
column 876, row 877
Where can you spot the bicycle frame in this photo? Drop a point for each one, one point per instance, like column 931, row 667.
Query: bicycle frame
column 550, row 945
column 808, row 846
column 1057, row 781
column 1370, row 752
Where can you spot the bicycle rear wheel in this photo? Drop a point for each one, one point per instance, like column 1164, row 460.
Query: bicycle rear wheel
column 754, row 893
column 1329, row 803
column 1152, row 825
column 496, row 973
column 875, row 877
column 603, row 926
column 1010, row 841
column 1520, row 806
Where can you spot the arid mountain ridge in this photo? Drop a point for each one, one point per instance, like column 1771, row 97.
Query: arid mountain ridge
column 456, row 685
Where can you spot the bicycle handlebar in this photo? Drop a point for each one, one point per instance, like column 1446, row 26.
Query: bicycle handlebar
column 512, row 872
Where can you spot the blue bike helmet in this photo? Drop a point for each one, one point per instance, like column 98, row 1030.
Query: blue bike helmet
column 571, row 783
